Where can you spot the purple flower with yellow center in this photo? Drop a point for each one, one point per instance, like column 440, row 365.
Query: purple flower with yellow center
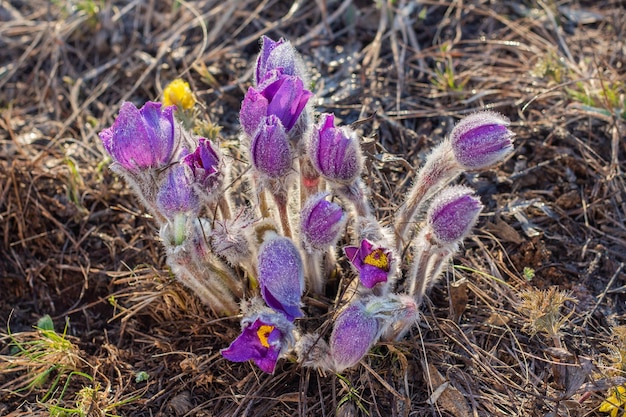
column 205, row 163
column 321, row 222
column 334, row 151
column 141, row 139
column 373, row 264
column 264, row 338
column 278, row 55
column 281, row 275
column 270, row 151
column 279, row 94
column 452, row 214
column 481, row 140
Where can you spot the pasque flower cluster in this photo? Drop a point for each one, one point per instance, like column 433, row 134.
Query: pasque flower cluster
column 308, row 210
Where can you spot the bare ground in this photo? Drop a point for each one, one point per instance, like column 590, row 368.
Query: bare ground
column 76, row 245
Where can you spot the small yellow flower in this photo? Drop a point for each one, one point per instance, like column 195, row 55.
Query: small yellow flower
column 178, row 93
column 614, row 404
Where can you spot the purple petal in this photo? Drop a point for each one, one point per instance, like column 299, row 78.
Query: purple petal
column 371, row 275
column 352, row 252
column 281, row 275
column 270, row 149
column 253, row 110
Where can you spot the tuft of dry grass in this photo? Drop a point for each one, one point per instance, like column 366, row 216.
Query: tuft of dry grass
column 75, row 244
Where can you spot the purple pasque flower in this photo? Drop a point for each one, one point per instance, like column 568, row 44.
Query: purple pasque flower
column 270, row 151
column 321, row 222
column 140, row 139
column 481, row 140
column 279, row 94
column 177, row 195
column 205, row 164
column 334, row 151
column 354, row 332
column 452, row 214
column 373, row 264
column 264, row 338
column 278, row 55
column 281, row 275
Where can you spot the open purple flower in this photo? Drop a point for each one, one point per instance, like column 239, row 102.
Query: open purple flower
column 373, row 264
column 481, row 140
column 321, row 222
column 453, row 213
column 281, row 275
column 177, row 195
column 270, row 150
column 334, row 151
column 354, row 333
column 264, row 338
column 140, row 139
column 278, row 55
column 205, row 163
column 279, row 94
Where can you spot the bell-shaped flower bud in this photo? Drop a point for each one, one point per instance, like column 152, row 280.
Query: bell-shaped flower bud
column 321, row 222
column 373, row 263
column 361, row 323
column 206, row 165
column 481, row 140
column 281, row 275
column 354, row 332
column 270, row 151
column 177, row 195
column 278, row 55
column 264, row 338
column 281, row 95
column 141, row 139
column 334, row 151
column 452, row 214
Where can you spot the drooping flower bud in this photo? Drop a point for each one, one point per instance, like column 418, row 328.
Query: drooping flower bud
column 279, row 94
column 374, row 264
column 334, row 151
column 278, row 55
column 361, row 323
column 452, row 214
column 354, row 333
column 321, row 222
column 281, row 275
column 265, row 337
column 177, row 195
column 481, row 140
column 140, row 139
column 270, row 151
column 206, row 165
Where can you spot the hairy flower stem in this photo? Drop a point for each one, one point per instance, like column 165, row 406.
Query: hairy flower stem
column 314, row 272
column 310, row 179
column 419, row 275
column 263, row 205
column 224, row 205
column 205, row 286
column 144, row 185
column 440, row 168
column 281, row 205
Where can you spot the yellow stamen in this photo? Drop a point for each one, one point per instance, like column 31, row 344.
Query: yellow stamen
column 264, row 333
column 377, row 258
